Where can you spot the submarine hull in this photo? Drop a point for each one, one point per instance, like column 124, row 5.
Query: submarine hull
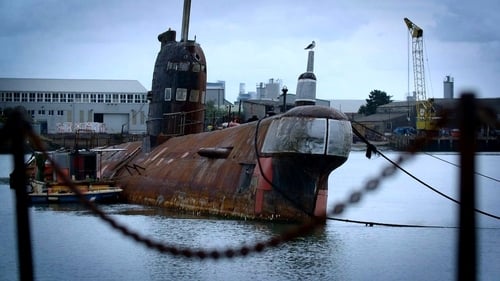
column 273, row 169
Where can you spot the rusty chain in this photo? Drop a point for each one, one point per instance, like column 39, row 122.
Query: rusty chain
column 355, row 197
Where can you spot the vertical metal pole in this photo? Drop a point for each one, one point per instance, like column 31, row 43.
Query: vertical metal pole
column 310, row 61
column 185, row 20
column 16, row 125
column 239, row 110
column 284, row 90
column 467, row 230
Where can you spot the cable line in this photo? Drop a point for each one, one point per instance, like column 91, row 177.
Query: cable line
column 371, row 148
column 426, row 153
column 371, row 223
column 432, row 188
column 458, row 166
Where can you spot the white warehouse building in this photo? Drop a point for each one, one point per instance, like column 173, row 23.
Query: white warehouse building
column 67, row 105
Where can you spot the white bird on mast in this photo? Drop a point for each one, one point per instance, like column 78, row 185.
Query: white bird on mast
column 310, row 46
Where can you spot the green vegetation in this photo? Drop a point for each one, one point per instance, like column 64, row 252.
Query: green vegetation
column 216, row 116
column 374, row 100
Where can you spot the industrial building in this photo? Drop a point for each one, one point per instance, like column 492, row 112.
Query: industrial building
column 116, row 106
column 100, row 105
column 67, row 105
column 216, row 93
column 269, row 98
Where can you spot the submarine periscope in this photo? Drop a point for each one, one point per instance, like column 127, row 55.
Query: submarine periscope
column 275, row 168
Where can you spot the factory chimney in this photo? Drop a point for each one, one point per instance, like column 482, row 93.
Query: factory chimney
column 448, row 87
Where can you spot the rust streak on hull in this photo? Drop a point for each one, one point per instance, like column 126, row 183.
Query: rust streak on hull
column 176, row 175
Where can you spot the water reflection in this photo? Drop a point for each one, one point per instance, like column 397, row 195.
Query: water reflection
column 316, row 255
column 71, row 243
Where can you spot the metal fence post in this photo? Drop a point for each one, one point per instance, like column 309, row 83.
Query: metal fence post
column 16, row 126
column 467, row 232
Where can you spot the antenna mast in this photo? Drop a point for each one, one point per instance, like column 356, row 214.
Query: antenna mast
column 185, row 20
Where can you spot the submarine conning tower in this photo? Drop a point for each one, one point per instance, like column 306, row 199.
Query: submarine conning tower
column 306, row 84
column 177, row 96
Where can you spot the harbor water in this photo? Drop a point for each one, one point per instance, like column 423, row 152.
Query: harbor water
column 71, row 243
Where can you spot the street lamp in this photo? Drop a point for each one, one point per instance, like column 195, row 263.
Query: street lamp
column 284, row 90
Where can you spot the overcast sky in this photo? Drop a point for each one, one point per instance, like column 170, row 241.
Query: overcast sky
column 360, row 45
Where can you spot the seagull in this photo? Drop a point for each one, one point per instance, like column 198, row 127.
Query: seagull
column 310, row 46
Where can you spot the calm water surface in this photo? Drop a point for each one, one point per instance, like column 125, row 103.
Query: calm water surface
column 70, row 243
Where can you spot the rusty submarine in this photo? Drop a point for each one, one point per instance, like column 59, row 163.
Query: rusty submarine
column 275, row 168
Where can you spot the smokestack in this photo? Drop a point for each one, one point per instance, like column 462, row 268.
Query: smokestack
column 242, row 88
column 448, row 87
column 185, row 20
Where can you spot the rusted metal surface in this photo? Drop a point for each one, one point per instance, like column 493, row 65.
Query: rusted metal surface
column 226, row 172
column 228, row 178
column 178, row 87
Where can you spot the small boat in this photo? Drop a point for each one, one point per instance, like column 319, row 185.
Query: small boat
column 46, row 185
column 44, row 192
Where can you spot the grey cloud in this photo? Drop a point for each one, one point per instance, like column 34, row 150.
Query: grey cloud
column 469, row 21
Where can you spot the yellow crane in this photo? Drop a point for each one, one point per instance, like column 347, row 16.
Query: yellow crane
column 425, row 121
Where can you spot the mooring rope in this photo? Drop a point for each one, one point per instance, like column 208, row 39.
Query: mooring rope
column 458, row 166
column 423, row 152
column 373, row 223
column 434, row 189
column 371, row 147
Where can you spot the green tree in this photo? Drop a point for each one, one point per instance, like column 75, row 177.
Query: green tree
column 374, row 100
column 214, row 115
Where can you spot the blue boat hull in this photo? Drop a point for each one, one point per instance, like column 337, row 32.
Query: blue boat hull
column 101, row 196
